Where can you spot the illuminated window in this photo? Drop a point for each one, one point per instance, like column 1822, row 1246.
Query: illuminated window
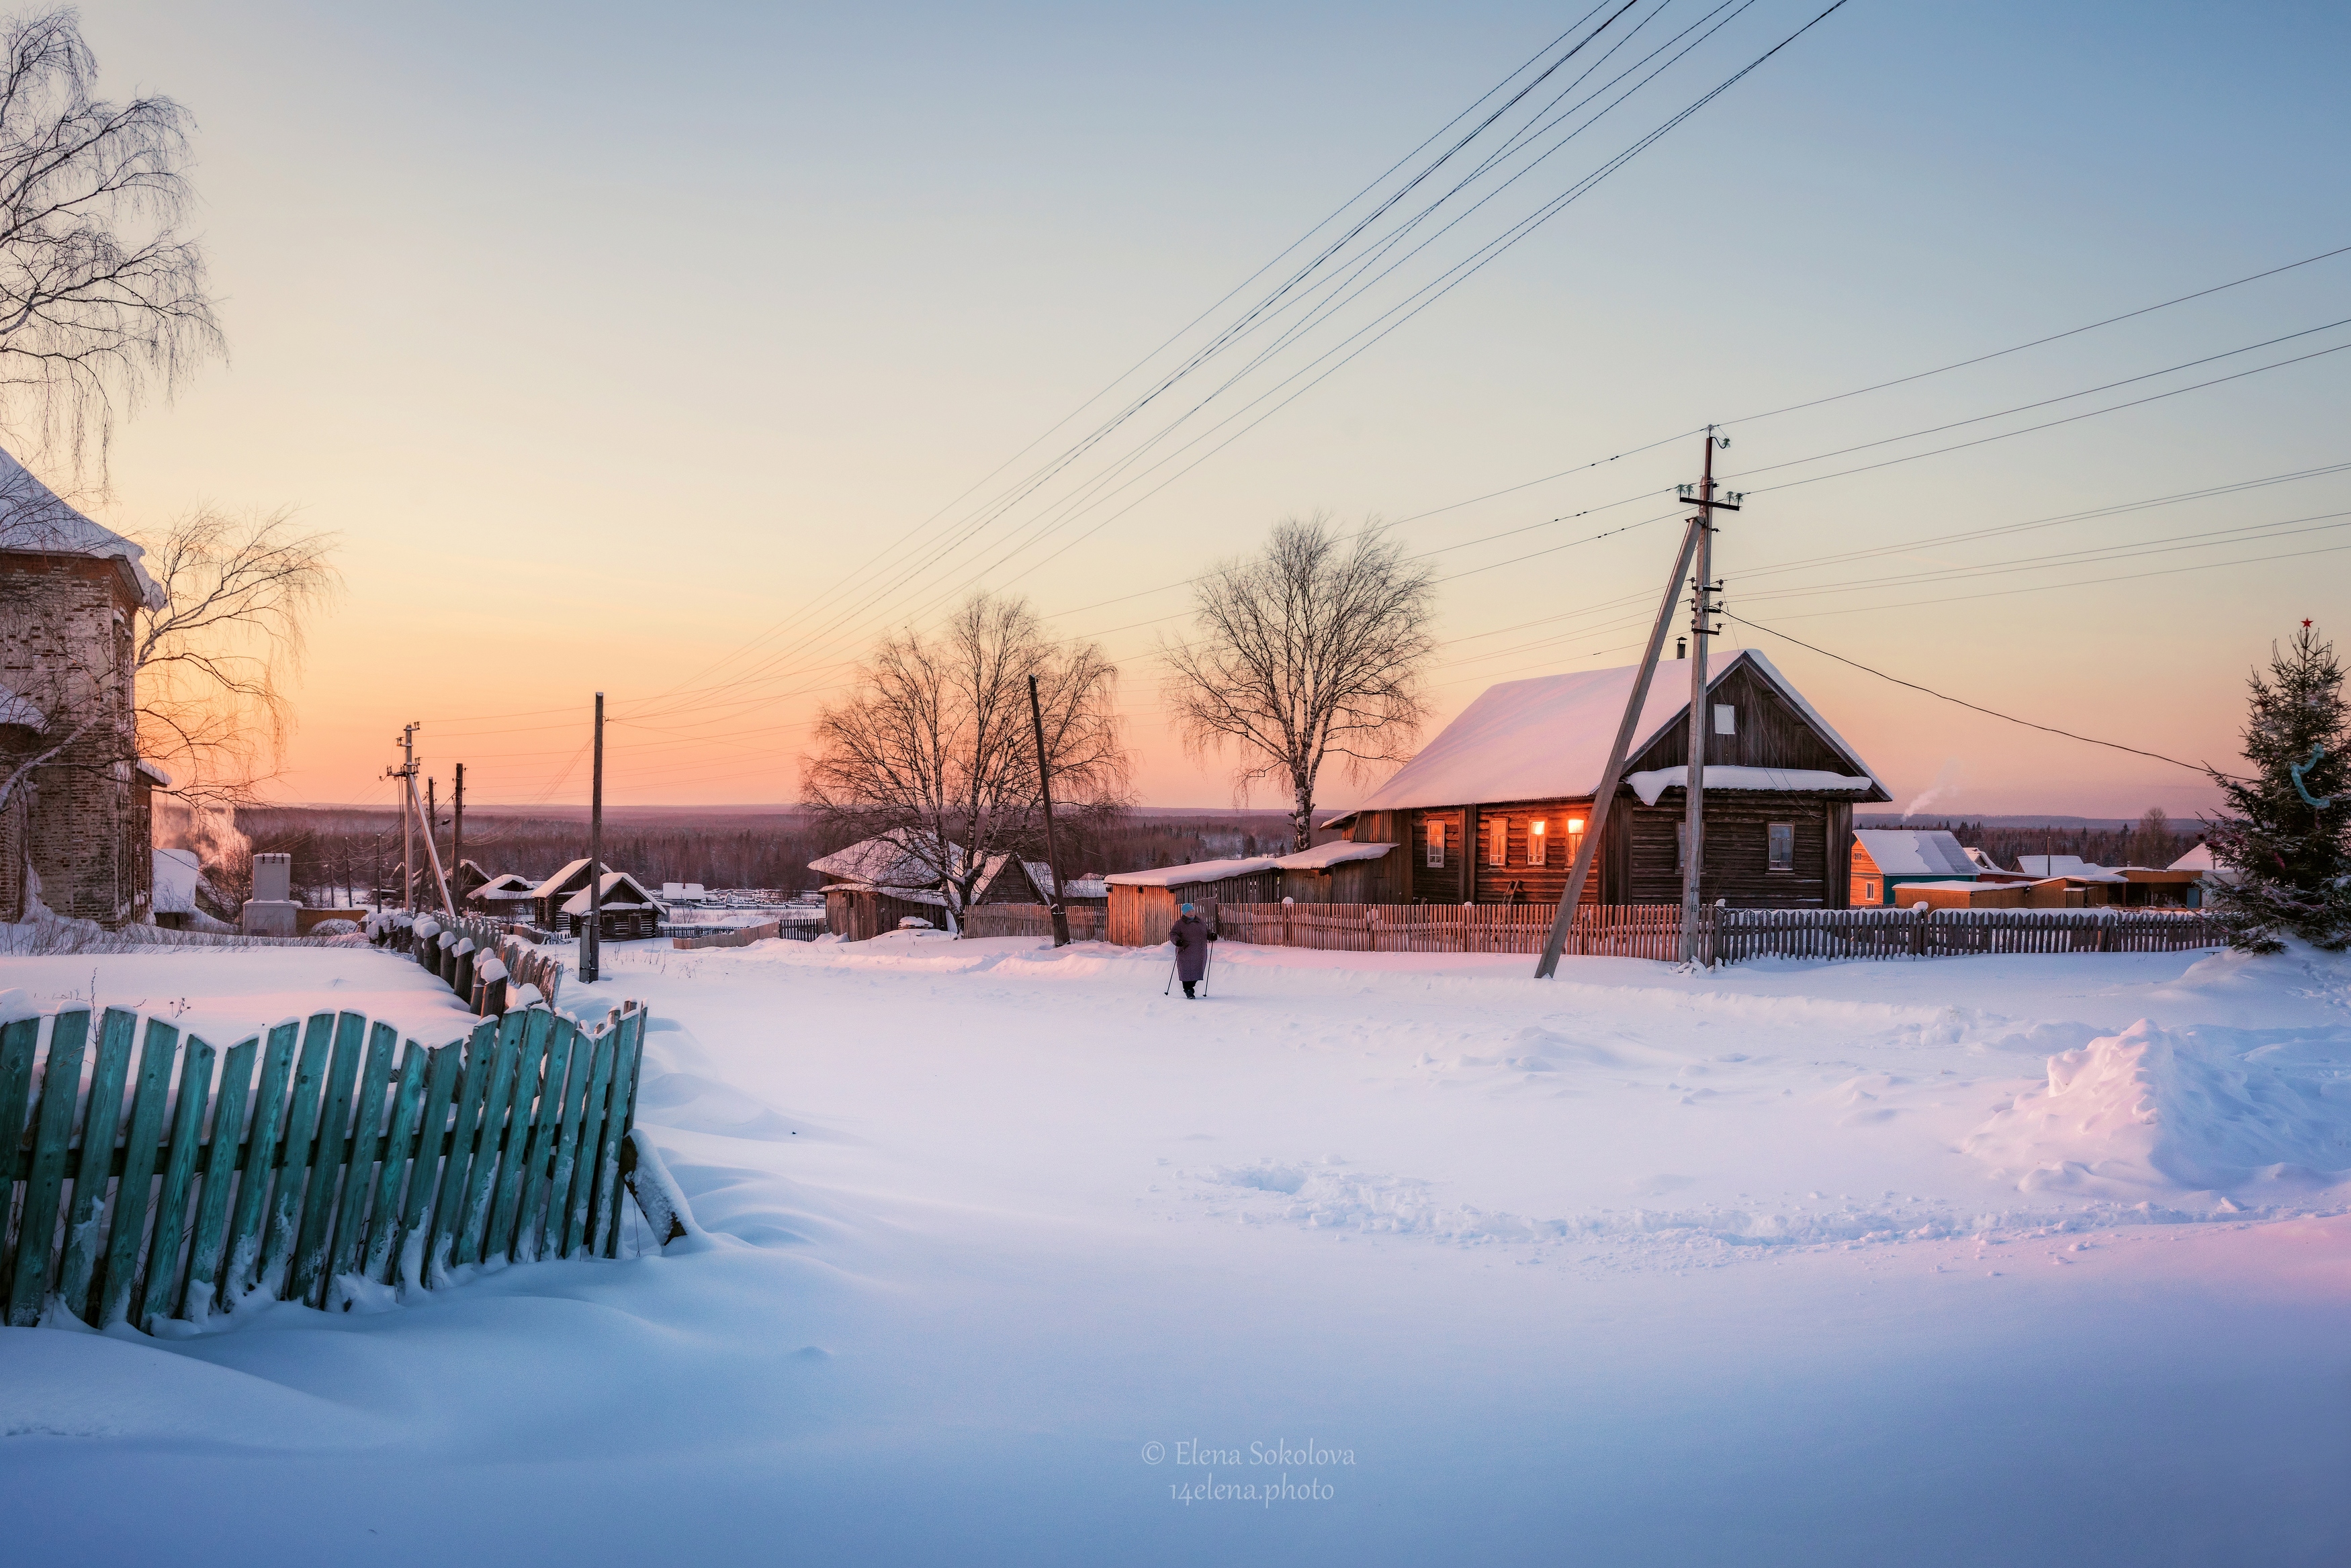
column 1782, row 846
column 1497, row 841
column 1436, row 846
column 1538, row 836
column 1575, row 824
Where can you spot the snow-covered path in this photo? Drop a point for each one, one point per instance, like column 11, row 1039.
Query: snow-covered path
column 1770, row 1266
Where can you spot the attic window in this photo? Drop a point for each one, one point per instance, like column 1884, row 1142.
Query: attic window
column 1538, row 840
column 1726, row 719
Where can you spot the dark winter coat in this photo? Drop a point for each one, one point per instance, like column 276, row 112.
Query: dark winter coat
column 1191, row 936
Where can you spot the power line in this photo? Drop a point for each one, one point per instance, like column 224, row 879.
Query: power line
column 1946, row 697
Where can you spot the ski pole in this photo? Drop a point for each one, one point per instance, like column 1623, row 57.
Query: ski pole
column 1210, row 969
column 1169, row 988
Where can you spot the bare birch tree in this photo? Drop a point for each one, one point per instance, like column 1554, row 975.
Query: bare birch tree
column 935, row 746
column 101, row 293
column 1310, row 652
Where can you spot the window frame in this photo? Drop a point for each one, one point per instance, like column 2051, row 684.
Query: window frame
column 1726, row 718
column 1434, row 848
column 1539, row 841
column 1772, row 836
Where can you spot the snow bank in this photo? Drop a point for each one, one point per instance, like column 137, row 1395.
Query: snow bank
column 2151, row 1109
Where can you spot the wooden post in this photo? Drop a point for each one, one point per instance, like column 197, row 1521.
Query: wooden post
column 1045, row 792
column 457, row 843
column 592, row 942
column 1605, row 796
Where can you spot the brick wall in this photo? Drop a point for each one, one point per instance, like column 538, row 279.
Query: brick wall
column 65, row 642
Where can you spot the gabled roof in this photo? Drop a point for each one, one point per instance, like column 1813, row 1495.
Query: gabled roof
column 614, row 881
column 1924, row 852
column 505, row 885
column 2198, row 859
column 33, row 519
column 902, row 857
column 1548, row 738
column 554, row 885
column 1040, row 876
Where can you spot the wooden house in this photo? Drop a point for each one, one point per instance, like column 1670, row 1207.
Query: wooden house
column 1492, row 810
column 509, row 894
column 547, row 899
column 1884, row 859
column 626, row 909
column 1143, row 904
column 879, row 882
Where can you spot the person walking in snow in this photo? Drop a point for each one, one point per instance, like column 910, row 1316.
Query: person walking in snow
column 1191, row 936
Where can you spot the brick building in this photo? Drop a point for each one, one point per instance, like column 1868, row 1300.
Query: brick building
column 78, row 828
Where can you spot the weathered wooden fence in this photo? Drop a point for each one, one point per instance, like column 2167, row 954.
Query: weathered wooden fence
column 1087, row 921
column 1654, row 930
column 727, row 936
column 481, row 960
column 285, row 1172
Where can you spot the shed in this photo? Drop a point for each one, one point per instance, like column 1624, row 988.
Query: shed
column 1492, row 810
column 1142, row 904
column 858, row 912
column 881, row 881
column 508, row 894
column 1884, row 859
column 1339, row 872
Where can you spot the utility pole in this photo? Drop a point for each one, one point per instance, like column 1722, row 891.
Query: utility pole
column 1702, row 609
column 1045, row 789
column 433, row 812
column 457, row 847
column 1613, row 774
column 406, row 774
column 591, row 943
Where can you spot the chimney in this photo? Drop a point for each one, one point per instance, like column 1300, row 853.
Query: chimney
column 1681, row 647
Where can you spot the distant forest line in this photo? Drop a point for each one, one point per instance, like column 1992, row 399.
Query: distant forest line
column 340, row 853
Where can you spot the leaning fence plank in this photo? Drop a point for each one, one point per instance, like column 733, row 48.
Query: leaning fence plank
column 398, row 1147
column 441, row 1081
column 308, row 1281
column 126, row 1229
column 567, row 1206
column 474, row 1210
column 85, row 1228
column 294, row 1170
column 604, row 1235
column 554, row 1115
column 36, row 1221
column 349, row 1236
column 245, row 1226
column 448, row 1204
column 18, row 1040
column 522, row 1122
column 220, row 1171
column 159, row 1285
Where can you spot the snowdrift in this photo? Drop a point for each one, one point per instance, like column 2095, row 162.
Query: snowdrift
column 2200, row 1110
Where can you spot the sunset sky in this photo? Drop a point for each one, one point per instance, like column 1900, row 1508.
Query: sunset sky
column 671, row 351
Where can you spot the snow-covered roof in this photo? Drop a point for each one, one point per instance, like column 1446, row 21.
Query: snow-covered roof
column 18, row 709
column 1040, row 876
column 1548, row 738
column 554, row 884
column 1338, row 852
column 1982, row 861
column 909, row 895
column 1198, row 871
column 33, row 519
column 163, row 779
column 178, row 874
column 1905, row 851
column 1656, row 782
column 902, row 857
column 2068, row 866
column 1088, row 888
column 2196, row 860
column 577, row 903
column 505, row 885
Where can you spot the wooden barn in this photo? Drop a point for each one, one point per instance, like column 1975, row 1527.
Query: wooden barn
column 626, row 909
column 1492, row 810
column 878, row 882
column 856, row 912
column 1884, row 859
column 547, row 899
column 509, row 896
column 1142, row 904
column 1339, row 872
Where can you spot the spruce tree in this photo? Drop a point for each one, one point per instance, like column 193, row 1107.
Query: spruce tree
column 2287, row 833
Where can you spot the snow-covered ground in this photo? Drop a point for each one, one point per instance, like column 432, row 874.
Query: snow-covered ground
column 1984, row 1260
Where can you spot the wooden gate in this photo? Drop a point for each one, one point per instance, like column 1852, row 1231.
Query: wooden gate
column 287, row 1171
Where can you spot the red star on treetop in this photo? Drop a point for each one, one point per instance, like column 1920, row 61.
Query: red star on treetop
column 2306, row 623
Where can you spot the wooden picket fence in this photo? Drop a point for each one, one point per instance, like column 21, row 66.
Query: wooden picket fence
column 727, row 936
column 1087, row 922
column 284, row 1173
column 1654, row 930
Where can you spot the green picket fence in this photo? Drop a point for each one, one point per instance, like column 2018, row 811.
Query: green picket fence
column 287, row 1169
